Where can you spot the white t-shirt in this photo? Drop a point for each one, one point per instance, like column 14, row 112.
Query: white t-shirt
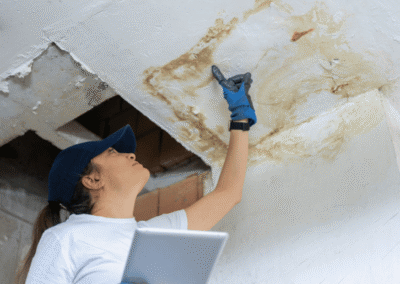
column 88, row 249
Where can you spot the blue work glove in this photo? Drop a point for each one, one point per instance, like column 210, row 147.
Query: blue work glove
column 236, row 94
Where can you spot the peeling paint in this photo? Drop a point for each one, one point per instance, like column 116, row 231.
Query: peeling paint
column 76, row 59
column 25, row 68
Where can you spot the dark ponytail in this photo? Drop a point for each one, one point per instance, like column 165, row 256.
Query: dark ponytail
column 49, row 216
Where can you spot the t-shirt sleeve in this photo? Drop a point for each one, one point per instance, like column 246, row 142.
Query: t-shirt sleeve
column 175, row 220
column 50, row 263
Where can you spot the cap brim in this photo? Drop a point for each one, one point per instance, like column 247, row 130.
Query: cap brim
column 123, row 140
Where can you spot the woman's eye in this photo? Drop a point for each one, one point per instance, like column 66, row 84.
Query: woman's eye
column 111, row 149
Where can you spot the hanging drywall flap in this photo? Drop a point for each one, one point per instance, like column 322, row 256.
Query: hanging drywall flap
column 320, row 199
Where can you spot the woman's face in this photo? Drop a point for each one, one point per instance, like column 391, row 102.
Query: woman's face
column 121, row 171
column 121, row 179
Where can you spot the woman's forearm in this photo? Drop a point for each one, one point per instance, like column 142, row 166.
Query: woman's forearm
column 234, row 169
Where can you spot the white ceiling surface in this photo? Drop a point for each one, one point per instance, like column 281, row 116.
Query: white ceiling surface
column 320, row 200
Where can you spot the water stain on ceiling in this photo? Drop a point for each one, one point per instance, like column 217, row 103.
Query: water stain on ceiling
column 191, row 71
column 317, row 60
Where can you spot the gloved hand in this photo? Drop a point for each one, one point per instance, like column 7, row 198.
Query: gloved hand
column 236, row 94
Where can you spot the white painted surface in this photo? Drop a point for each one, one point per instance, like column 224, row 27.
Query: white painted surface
column 320, row 201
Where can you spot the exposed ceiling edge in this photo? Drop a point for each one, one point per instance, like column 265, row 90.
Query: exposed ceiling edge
column 75, row 133
column 19, row 69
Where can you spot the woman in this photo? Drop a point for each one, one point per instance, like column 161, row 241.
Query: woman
column 97, row 183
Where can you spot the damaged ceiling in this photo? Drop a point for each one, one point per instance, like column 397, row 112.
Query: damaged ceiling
column 325, row 79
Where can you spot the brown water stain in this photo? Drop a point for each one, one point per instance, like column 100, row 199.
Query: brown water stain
column 259, row 5
column 193, row 66
column 338, row 88
column 321, row 62
column 191, row 71
column 220, row 129
column 296, row 36
column 340, row 125
column 283, row 80
column 205, row 138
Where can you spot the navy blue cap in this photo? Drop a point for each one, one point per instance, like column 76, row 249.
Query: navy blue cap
column 70, row 163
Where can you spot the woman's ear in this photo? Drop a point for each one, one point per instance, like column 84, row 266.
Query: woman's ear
column 92, row 181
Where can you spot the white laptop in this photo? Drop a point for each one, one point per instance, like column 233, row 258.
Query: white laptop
column 169, row 256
